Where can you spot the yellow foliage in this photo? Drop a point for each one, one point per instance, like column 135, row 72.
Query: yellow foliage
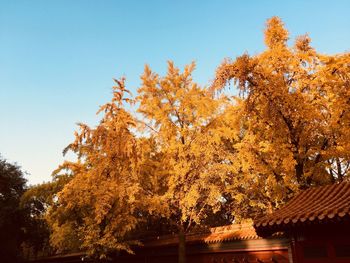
column 191, row 151
column 99, row 203
column 185, row 121
column 294, row 115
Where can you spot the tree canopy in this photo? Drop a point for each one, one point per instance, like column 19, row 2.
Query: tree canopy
column 189, row 155
column 294, row 115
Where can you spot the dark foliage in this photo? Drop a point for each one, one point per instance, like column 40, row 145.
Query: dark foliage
column 12, row 218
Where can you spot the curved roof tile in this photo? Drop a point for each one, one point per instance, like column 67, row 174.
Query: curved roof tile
column 315, row 204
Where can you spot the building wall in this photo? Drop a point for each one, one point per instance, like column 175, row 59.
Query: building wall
column 328, row 243
column 257, row 250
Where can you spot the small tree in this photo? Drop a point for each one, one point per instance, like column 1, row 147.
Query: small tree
column 96, row 210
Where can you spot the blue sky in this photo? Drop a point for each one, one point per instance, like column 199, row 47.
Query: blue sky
column 58, row 58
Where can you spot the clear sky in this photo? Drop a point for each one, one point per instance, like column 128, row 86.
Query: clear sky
column 57, row 57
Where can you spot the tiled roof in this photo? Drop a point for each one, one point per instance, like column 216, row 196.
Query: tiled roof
column 318, row 204
column 231, row 232
column 214, row 235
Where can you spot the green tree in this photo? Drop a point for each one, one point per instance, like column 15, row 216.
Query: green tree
column 37, row 201
column 12, row 217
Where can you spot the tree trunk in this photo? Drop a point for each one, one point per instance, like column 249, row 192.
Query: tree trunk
column 299, row 171
column 182, row 246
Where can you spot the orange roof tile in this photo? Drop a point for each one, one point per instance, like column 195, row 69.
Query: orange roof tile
column 213, row 235
column 331, row 202
column 231, row 232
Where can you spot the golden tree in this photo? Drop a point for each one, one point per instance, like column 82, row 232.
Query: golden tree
column 99, row 204
column 293, row 116
column 185, row 121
